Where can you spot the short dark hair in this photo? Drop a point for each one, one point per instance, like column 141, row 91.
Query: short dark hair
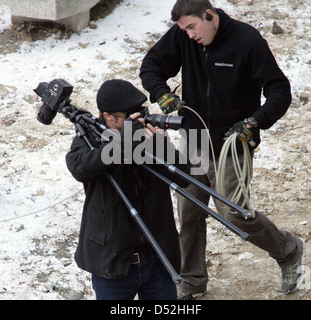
column 191, row 8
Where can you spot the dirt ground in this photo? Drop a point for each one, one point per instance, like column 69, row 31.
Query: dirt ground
column 281, row 184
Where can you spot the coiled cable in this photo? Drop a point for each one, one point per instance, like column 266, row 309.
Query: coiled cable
column 244, row 174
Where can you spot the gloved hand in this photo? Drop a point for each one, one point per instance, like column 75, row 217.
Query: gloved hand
column 245, row 130
column 168, row 102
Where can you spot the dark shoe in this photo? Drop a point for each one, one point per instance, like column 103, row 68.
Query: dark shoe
column 186, row 295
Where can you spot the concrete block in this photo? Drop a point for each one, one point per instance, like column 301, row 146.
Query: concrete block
column 78, row 22
column 74, row 13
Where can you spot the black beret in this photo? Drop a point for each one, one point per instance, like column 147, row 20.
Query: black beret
column 119, row 96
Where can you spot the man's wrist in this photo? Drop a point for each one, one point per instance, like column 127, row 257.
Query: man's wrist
column 251, row 122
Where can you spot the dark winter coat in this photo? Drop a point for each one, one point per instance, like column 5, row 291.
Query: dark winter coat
column 223, row 82
column 109, row 235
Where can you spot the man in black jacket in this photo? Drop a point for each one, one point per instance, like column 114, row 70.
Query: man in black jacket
column 111, row 245
column 226, row 65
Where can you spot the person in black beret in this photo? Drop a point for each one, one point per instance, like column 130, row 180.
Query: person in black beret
column 111, row 245
column 116, row 100
column 119, row 95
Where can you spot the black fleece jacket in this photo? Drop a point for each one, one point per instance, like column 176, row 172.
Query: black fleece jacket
column 224, row 81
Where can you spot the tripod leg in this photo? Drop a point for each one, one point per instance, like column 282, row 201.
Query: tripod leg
column 208, row 211
column 245, row 213
column 176, row 277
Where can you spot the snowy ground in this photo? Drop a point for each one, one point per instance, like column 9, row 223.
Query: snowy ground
column 41, row 203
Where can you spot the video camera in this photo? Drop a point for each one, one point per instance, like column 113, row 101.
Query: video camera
column 56, row 94
column 53, row 96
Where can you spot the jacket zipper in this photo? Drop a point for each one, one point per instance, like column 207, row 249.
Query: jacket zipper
column 208, row 83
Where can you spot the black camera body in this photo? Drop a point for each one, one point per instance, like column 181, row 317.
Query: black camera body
column 53, row 95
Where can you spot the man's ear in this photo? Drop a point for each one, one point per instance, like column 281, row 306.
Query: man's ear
column 107, row 116
column 209, row 15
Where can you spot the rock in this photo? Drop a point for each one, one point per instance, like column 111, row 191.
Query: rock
column 304, row 97
column 304, row 149
column 3, row 153
column 295, row 105
column 276, row 29
column 74, row 295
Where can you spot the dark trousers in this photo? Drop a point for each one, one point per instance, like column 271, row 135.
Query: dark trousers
column 281, row 245
column 149, row 279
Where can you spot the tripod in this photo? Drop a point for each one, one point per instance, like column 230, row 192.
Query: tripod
column 86, row 123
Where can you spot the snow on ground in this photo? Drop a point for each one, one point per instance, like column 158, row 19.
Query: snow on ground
column 40, row 203
column 33, row 171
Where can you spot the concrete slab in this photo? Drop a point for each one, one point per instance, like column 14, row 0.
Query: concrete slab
column 74, row 13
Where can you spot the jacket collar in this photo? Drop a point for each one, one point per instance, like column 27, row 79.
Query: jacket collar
column 223, row 28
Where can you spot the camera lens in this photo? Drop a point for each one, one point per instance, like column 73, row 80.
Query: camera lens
column 165, row 122
column 46, row 115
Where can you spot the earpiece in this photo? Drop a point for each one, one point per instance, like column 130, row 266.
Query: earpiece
column 209, row 17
